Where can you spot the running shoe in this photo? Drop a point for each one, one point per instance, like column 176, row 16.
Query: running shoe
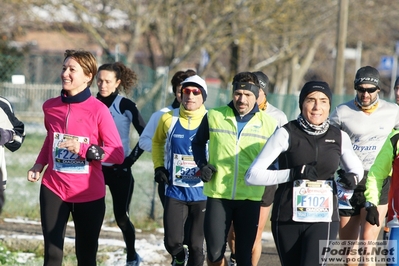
column 182, row 263
column 135, row 262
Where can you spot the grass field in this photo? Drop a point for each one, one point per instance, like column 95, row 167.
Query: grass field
column 22, row 197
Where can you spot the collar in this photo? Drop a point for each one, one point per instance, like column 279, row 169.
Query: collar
column 367, row 109
column 196, row 114
column 109, row 99
column 263, row 105
column 78, row 98
column 175, row 104
column 246, row 117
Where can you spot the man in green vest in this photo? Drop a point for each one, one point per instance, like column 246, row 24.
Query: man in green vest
column 235, row 134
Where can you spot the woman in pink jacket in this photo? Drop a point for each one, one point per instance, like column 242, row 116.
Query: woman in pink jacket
column 81, row 134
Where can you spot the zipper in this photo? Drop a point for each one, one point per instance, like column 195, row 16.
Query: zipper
column 189, row 122
column 67, row 118
column 236, row 166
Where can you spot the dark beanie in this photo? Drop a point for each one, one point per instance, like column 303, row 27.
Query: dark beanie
column 263, row 81
column 396, row 83
column 313, row 86
column 246, row 86
column 367, row 75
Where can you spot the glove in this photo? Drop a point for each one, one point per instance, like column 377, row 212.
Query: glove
column 349, row 180
column 306, row 171
column 94, row 152
column 161, row 175
column 122, row 168
column 207, row 171
column 6, row 136
column 372, row 215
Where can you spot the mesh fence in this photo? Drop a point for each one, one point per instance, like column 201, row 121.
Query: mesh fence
column 42, row 81
column 153, row 91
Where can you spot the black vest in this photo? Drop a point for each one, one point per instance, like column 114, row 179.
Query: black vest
column 303, row 148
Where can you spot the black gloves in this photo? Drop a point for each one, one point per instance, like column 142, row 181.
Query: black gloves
column 6, row 136
column 94, row 152
column 127, row 163
column 207, row 171
column 349, row 180
column 306, row 171
column 372, row 215
column 161, row 175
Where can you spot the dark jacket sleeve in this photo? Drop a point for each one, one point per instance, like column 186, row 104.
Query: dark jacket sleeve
column 138, row 123
column 18, row 126
column 199, row 142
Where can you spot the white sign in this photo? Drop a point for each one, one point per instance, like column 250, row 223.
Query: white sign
column 18, row 79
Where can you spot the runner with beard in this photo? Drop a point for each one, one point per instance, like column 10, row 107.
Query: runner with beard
column 368, row 120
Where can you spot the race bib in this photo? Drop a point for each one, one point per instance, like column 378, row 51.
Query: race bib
column 185, row 171
column 66, row 161
column 312, row 200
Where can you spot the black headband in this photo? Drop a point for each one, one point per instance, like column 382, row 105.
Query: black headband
column 246, row 86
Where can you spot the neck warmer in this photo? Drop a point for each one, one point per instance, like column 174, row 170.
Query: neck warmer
column 175, row 104
column 243, row 118
column 109, row 99
column 263, row 105
column 313, row 129
column 78, row 98
column 367, row 109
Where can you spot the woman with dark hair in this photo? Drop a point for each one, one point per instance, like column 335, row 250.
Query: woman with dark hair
column 309, row 151
column 81, row 134
column 111, row 80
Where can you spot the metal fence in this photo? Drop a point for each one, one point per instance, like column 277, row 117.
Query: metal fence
column 41, row 74
column 27, row 99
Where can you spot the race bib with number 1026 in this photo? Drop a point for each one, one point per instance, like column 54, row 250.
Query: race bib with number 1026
column 312, row 200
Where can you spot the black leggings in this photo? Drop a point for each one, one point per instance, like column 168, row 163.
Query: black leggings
column 175, row 217
column 88, row 218
column 298, row 243
column 218, row 217
column 121, row 188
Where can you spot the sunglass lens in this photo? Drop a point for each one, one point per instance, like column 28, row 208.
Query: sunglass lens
column 363, row 90
column 194, row 91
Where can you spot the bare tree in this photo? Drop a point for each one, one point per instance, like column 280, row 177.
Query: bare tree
column 291, row 40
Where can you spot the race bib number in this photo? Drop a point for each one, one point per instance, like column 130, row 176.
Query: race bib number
column 312, row 200
column 66, row 161
column 185, row 171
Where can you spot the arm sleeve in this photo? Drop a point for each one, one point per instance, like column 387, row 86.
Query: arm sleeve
column 145, row 140
column 397, row 117
column 379, row 171
column 159, row 140
column 334, row 119
column 199, row 142
column 43, row 156
column 17, row 127
column 110, row 140
column 349, row 160
column 258, row 173
column 139, row 125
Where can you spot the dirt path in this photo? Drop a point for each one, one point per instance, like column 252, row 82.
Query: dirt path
column 9, row 229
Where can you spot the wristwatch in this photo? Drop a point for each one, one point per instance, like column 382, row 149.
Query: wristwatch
column 368, row 204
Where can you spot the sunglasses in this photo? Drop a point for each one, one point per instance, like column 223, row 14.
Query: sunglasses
column 363, row 90
column 194, row 91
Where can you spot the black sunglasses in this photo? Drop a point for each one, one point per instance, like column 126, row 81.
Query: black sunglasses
column 363, row 90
